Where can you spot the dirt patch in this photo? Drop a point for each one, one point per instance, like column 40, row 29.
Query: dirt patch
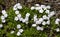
column 55, row 4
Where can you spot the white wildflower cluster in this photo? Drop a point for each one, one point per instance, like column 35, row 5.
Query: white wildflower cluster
column 17, row 6
column 41, row 20
column 39, row 28
column 51, row 14
column 19, row 30
column 41, row 9
column 20, row 18
column 1, row 25
column 57, row 21
column 4, row 16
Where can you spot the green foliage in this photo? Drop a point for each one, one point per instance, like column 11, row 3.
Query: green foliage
column 28, row 30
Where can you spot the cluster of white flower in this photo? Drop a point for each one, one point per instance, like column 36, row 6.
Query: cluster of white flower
column 41, row 20
column 51, row 14
column 17, row 6
column 19, row 30
column 57, row 21
column 19, row 17
column 4, row 16
column 1, row 25
column 41, row 9
column 39, row 28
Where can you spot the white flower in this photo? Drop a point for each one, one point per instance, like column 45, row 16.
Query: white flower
column 48, row 22
column 3, row 21
column 18, row 4
column 19, row 7
column 37, row 5
column 35, row 18
column 3, row 12
column 14, row 8
column 5, row 15
column 1, row 25
column 20, row 19
column 51, row 14
column 47, row 11
column 43, row 23
column 15, row 5
column 45, row 8
column 41, row 11
column 2, row 17
column 48, row 7
column 17, row 12
column 32, row 8
column 39, row 28
column 12, row 32
column 18, row 33
column 26, row 19
column 56, row 22
column 44, row 17
column 28, row 14
column 58, row 19
column 26, row 22
column 48, row 18
column 37, row 8
column 38, row 22
column 21, row 30
column 16, row 18
column 41, row 19
column 42, row 6
column 18, row 26
column 19, row 16
column 33, row 25
column 23, row 21
column 57, row 29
